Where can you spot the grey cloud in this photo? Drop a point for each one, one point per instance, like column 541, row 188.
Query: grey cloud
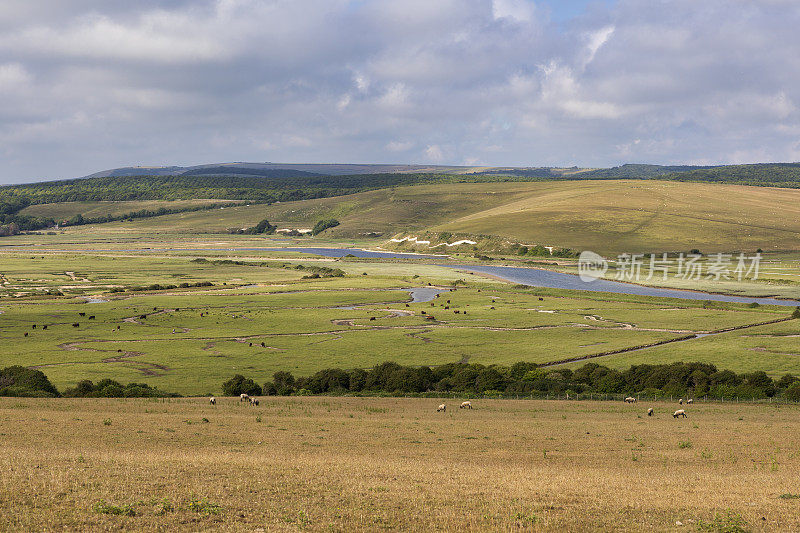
column 92, row 84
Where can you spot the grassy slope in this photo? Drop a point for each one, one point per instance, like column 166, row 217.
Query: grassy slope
column 367, row 464
column 645, row 216
column 606, row 216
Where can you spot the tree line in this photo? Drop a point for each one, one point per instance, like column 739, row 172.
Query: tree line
column 526, row 379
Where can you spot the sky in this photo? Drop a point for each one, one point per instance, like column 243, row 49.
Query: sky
column 87, row 85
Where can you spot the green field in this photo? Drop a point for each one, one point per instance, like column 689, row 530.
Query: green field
column 307, row 325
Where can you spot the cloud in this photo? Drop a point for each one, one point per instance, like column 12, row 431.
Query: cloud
column 96, row 84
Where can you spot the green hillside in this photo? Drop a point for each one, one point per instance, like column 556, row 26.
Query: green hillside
column 607, row 216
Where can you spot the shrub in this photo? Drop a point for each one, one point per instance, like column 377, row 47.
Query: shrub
column 324, row 224
column 793, row 392
column 238, row 384
column 102, row 507
column 21, row 381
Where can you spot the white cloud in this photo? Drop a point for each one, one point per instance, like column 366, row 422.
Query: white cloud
column 434, row 153
column 97, row 84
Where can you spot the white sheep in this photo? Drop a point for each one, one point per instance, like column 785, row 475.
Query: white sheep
column 442, row 407
column 212, row 401
column 244, row 397
column 630, row 399
column 689, row 401
column 465, row 405
column 650, row 412
column 254, row 402
column 679, row 413
column 680, row 402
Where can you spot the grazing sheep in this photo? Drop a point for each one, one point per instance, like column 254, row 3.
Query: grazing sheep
column 630, row 399
column 491, row 307
column 679, row 413
column 91, row 317
column 82, row 314
column 447, row 307
column 372, row 318
column 212, row 401
column 33, row 327
column 254, row 402
column 465, row 405
column 541, row 299
column 689, row 401
column 251, row 344
column 424, row 313
column 650, row 412
column 441, row 407
column 76, row 325
column 465, row 312
column 263, row 345
column 244, row 397
column 44, row 327
column 680, row 402
column 456, row 311
column 430, row 317
column 26, row 333
column 448, row 301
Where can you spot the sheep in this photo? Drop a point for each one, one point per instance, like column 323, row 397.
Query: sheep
column 541, row 299
column 44, row 327
column 680, row 402
column 689, row 401
column 82, row 314
column 26, row 333
column 465, row 405
column 372, row 318
column 254, row 402
column 212, row 401
column 424, row 313
column 650, row 412
column 244, row 397
column 76, row 325
column 679, row 413
column 33, row 327
column 91, row 317
column 441, row 407
column 263, row 345
column 630, row 399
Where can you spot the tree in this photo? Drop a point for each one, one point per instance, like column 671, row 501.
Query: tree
column 238, row 384
column 324, row 224
column 284, row 383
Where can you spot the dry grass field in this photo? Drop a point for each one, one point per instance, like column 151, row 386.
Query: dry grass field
column 367, row 464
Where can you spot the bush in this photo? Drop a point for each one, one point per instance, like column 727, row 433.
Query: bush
column 793, row 392
column 21, row 381
column 238, row 384
column 324, row 224
column 108, row 388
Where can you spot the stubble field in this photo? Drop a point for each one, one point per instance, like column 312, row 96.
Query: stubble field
column 366, row 464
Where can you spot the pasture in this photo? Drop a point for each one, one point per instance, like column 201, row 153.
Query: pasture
column 367, row 464
column 260, row 317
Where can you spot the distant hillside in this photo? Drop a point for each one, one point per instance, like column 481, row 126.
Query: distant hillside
column 281, row 169
column 608, row 216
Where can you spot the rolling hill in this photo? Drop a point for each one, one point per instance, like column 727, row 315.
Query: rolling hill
column 607, row 216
